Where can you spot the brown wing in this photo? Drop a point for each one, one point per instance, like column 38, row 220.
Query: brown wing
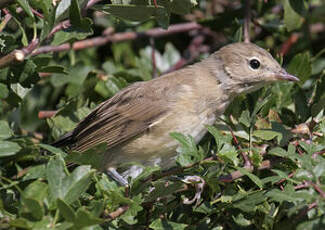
column 127, row 114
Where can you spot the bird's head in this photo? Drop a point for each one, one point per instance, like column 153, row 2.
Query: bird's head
column 250, row 67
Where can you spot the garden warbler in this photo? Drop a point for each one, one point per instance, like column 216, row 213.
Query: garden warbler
column 137, row 121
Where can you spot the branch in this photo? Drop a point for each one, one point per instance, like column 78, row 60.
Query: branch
column 247, row 20
column 118, row 212
column 119, row 37
column 18, row 55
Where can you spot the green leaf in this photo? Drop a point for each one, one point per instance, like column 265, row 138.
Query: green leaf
column 25, row 6
column 33, row 198
column 93, row 156
column 66, row 211
column 188, row 151
column 281, row 196
column 67, row 187
column 3, row 91
column 251, row 176
column 245, row 118
column 229, row 154
column 159, row 224
column 138, row 12
column 54, row 150
column 85, row 219
column 266, row 134
column 5, row 131
column 8, row 148
column 300, row 66
column 292, row 20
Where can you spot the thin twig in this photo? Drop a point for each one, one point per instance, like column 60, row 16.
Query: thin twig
column 119, row 37
column 118, row 212
column 247, row 20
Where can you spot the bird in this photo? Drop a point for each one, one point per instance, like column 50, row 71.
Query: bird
column 137, row 121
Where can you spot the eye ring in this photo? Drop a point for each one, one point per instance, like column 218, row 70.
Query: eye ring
column 254, row 63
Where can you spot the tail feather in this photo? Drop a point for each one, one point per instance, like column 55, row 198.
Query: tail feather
column 66, row 140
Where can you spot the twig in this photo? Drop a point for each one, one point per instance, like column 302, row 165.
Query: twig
column 286, row 46
column 119, row 37
column 19, row 55
column 46, row 114
column 318, row 153
column 118, row 212
column 267, row 164
column 247, row 20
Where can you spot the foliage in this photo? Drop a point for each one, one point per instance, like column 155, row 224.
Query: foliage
column 283, row 124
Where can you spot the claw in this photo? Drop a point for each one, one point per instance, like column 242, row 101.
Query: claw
column 199, row 186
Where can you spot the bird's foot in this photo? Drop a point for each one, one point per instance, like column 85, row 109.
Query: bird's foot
column 199, row 186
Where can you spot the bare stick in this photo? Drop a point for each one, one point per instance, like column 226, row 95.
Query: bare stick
column 247, row 20
column 119, row 37
column 118, row 212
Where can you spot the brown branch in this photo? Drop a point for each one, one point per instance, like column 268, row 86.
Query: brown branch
column 5, row 21
column 118, row 212
column 286, row 46
column 46, row 114
column 318, row 153
column 119, row 37
column 267, row 164
column 247, row 20
column 19, row 55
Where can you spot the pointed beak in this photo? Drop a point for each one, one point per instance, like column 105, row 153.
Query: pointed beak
column 283, row 75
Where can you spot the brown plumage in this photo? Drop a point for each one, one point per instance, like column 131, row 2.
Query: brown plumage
column 136, row 122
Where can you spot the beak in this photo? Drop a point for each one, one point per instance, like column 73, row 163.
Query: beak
column 283, row 75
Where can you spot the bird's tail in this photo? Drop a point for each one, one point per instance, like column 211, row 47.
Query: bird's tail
column 66, row 140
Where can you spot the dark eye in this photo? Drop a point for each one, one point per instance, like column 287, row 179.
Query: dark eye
column 255, row 64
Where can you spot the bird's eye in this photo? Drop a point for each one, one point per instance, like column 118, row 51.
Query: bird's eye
column 254, row 63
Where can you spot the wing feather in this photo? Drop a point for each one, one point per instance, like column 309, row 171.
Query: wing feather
column 126, row 115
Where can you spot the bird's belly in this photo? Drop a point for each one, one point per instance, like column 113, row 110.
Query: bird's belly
column 156, row 147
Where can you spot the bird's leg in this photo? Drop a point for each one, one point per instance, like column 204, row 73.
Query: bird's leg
column 117, row 177
column 199, row 185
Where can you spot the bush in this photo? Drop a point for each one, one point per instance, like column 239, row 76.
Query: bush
column 64, row 57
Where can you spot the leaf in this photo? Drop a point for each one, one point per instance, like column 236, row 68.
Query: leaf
column 292, row 20
column 8, row 148
column 251, row 176
column 266, row 134
column 5, row 131
column 300, row 66
column 93, row 156
column 188, row 151
column 33, row 198
column 54, row 150
column 281, row 196
column 66, row 211
column 85, row 219
column 159, row 224
column 25, row 6
column 67, row 187
column 138, row 12
column 245, row 118
column 3, row 91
